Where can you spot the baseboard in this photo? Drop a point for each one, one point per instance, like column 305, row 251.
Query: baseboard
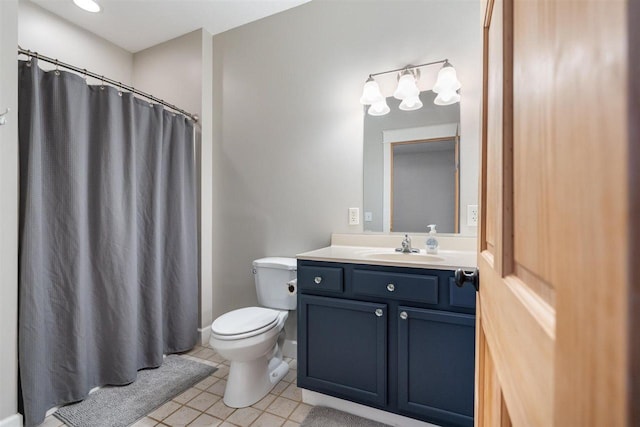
column 14, row 420
column 318, row 399
column 205, row 333
column 290, row 349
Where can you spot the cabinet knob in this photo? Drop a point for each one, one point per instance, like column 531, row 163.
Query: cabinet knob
column 391, row 287
column 379, row 312
column 461, row 277
column 404, row 315
column 317, row 279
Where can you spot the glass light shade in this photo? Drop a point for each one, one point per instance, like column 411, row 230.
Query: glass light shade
column 407, row 87
column 88, row 5
column 447, row 98
column 411, row 103
column 447, row 80
column 371, row 93
column 379, row 108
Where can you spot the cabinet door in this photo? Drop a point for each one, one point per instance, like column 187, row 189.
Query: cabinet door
column 342, row 348
column 436, row 365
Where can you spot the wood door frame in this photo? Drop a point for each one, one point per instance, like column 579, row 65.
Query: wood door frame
column 633, row 16
column 456, row 161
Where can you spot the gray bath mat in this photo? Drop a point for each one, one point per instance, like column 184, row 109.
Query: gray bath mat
column 320, row 416
column 121, row 406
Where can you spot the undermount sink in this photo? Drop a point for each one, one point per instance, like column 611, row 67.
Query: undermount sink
column 404, row 257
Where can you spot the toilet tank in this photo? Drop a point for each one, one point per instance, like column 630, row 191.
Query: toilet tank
column 272, row 276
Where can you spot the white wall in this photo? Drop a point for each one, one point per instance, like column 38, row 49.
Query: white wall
column 180, row 72
column 9, row 215
column 48, row 34
column 288, row 127
column 172, row 71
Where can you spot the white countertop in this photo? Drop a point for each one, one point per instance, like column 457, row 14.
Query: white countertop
column 447, row 259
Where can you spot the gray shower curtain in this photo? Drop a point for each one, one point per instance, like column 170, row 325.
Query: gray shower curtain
column 108, row 261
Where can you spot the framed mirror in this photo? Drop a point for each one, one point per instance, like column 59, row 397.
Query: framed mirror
column 412, row 176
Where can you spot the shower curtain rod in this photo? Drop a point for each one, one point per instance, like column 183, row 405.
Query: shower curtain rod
column 104, row 79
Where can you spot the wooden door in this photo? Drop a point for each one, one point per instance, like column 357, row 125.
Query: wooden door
column 553, row 339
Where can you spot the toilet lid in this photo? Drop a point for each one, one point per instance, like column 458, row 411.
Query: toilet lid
column 244, row 321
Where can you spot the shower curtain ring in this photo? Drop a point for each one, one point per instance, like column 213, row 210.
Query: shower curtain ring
column 57, row 72
column 102, row 83
column 84, row 74
column 119, row 89
column 29, row 60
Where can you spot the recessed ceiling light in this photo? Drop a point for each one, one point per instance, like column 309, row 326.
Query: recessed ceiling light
column 88, row 5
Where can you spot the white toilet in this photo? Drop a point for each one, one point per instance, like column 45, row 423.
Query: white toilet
column 251, row 338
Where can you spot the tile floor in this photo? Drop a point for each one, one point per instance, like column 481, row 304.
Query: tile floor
column 202, row 406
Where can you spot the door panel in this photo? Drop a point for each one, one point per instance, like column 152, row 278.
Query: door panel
column 425, row 385
column 588, row 144
column 343, row 348
column 492, row 168
column 493, row 411
column 552, row 314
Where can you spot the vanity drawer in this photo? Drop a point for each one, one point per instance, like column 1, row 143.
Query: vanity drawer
column 320, row 278
column 464, row 297
column 409, row 287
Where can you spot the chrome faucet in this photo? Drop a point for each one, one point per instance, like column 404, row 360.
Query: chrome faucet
column 406, row 246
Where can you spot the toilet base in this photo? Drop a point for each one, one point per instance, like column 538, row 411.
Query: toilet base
column 249, row 382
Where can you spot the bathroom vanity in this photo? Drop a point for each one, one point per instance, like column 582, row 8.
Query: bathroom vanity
column 397, row 335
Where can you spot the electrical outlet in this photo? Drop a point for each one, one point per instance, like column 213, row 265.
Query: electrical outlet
column 354, row 216
column 368, row 216
column 472, row 215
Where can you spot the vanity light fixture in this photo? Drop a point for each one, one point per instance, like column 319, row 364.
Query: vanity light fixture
column 446, row 86
column 407, row 84
column 371, row 92
column 88, row 5
column 379, row 108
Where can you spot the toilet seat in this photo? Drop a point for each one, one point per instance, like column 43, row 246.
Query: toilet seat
column 244, row 323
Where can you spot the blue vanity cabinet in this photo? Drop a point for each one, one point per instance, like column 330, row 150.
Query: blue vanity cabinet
column 394, row 338
column 436, row 365
column 345, row 346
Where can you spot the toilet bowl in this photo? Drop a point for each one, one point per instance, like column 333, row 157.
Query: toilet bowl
column 252, row 338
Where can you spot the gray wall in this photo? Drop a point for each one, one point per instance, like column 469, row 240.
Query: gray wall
column 288, row 125
column 425, row 181
column 9, row 211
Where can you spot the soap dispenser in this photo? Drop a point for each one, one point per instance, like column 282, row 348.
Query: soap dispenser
column 432, row 241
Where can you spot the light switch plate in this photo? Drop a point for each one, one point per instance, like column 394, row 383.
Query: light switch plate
column 472, row 215
column 354, row 216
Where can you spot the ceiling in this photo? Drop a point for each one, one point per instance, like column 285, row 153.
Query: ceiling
column 135, row 25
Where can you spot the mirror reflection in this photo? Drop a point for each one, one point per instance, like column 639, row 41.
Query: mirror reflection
column 411, row 168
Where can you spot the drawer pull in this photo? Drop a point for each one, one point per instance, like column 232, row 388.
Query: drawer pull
column 379, row 312
column 404, row 315
column 391, row 287
column 317, row 279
